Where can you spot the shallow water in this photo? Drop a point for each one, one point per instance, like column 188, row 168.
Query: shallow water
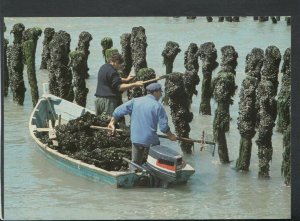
column 35, row 188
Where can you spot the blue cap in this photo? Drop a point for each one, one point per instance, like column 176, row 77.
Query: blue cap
column 153, row 87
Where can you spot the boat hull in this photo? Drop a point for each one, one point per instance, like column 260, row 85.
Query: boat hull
column 42, row 119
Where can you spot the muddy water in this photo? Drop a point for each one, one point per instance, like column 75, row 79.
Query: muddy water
column 35, row 188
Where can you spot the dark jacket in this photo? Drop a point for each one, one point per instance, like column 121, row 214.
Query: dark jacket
column 109, row 82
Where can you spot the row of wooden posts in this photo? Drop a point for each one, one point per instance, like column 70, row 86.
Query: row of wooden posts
column 258, row 108
column 274, row 19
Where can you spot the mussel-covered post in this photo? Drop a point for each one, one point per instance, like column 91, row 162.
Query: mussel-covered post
column 191, row 78
column 179, row 105
column 235, row 18
column 267, row 108
column 284, row 95
column 138, row 48
column 208, row 54
column 106, row 43
column 144, row 74
column 29, row 47
column 48, row 35
column 223, row 87
column 263, row 18
column 5, row 67
column 60, row 78
column 169, row 54
column 228, row 18
column 274, row 20
column 267, row 115
column 83, row 45
column 78, row 65
column 247, row 107
column 286, row 162
column 288, row 20
column 16, row 65
column 126, row 53
column 209, row 18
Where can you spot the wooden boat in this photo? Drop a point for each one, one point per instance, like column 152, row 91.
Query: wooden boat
column 52, row 110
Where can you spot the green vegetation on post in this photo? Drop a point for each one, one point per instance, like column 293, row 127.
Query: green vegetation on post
column 106, row 43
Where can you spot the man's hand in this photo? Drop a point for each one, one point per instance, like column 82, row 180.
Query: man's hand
column 128, row 79
column 171, row 136
column 111, row 126
column 138, row 84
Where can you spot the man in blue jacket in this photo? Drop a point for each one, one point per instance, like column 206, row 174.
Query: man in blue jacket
column 110, row 85
column 146, row 113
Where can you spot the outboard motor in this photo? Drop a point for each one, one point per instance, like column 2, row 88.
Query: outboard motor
column 166, row 164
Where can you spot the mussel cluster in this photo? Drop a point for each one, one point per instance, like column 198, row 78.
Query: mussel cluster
column 126, row 53
column 15, row 64
column 271, row 66
column 208, row 54
column 144, row 74
column 83, row 45
column 284, row 95
column 78, row 65
column 191, row 58
column 169, row 54
column 48, row 35
column 60, row 77
column 191, row 78
column 254, row 63
column 30, row 38
column 229, row 59
column 179, row 105
column 138, row 48
column 93, row 146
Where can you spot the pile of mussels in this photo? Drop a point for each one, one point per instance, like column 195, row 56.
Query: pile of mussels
column 77, row 140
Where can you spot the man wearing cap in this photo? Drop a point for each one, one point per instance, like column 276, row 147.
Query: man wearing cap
column 146, row 113
column 110, row 85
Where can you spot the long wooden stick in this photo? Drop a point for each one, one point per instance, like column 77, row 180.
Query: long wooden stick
column 160, row 135
column 154, row 79
column 189, row 139
column 106, row 128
